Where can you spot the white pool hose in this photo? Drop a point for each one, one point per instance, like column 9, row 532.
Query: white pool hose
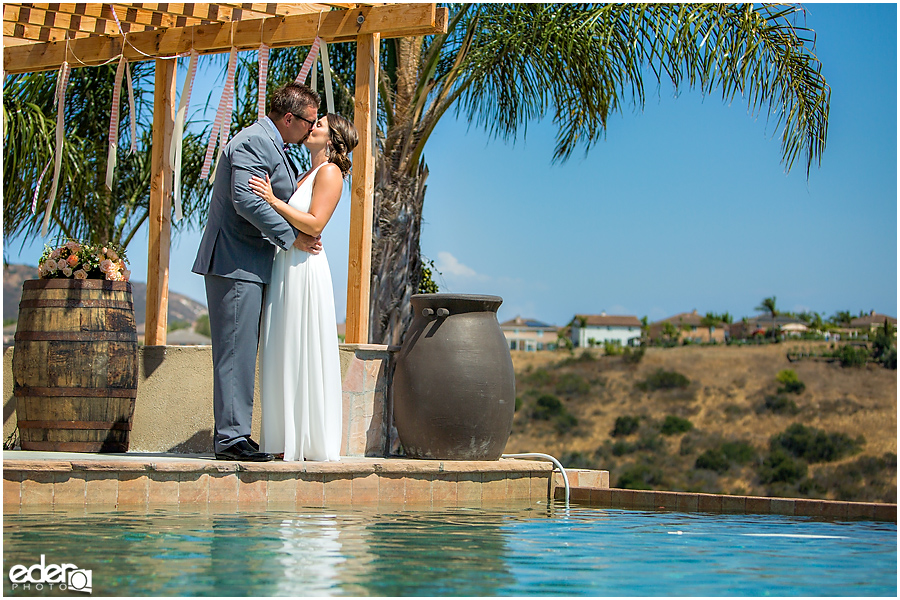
column 551, row 459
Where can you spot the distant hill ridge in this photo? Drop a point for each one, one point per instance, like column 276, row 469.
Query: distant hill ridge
column 181, row 308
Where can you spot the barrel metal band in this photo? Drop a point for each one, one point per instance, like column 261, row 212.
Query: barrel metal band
column 76, row 303
column 104, row 425
column 69, row 392
column 76, row 336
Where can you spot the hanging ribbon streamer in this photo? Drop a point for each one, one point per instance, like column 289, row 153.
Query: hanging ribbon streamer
column 224, row 102
column 131, row 109
column 307, row 64
column 114, row 124
column 326, row 71
column 263, row 77
column 62, row 81
column 37, row 188
column 175, row 151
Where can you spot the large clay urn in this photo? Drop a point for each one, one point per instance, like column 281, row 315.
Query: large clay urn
column 454, row 387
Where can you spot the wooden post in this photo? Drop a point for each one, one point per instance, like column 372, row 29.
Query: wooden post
column 160, row 204
column 359, row 269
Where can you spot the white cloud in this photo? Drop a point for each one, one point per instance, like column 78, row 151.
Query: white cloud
column 449, row 265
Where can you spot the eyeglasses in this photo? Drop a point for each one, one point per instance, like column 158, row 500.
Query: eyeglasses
column 310, row 123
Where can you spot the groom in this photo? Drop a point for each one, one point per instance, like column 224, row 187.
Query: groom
column 236, row 254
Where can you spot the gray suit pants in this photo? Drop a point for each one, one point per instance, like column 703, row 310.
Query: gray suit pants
column 235, row 307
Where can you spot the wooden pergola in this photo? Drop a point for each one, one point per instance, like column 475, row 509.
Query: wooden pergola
column 39, row 37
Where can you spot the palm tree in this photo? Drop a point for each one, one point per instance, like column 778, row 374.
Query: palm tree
column 85, row 208
column 768, row 306
column 503, row 65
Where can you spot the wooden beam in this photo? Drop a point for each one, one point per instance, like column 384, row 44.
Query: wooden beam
column 160, row 204
column 359, row 268
column 395, row 20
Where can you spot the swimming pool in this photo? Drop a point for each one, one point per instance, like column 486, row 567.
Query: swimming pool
column 521, row 550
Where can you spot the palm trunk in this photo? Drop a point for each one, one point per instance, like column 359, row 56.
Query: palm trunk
column 396, row 261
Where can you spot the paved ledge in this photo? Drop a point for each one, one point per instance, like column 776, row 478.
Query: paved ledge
column 50, row 479
column 715, row 503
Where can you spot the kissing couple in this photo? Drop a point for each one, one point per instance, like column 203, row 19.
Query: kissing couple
column 268, row 283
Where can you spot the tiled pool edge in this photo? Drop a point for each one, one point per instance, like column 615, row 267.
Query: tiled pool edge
column 715, row 503
column 119, row 481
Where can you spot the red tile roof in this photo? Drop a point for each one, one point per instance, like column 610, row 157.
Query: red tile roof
column 608, row 320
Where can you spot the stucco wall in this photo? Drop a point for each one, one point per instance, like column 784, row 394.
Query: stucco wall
column 174, row 404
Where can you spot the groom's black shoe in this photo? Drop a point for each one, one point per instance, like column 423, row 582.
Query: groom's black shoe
column 253, row 444
column 242, row 450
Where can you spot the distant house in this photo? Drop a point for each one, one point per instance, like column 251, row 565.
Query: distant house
column 760, row 324
column 590, row 330
column 689, row 325
column 529, row 334
column 870, row 323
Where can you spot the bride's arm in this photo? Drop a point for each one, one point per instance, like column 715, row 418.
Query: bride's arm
column 325, row 196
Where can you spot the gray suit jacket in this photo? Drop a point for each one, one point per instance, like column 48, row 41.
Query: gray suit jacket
column 242, row 230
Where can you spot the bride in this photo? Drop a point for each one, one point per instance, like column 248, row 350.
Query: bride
column 300, row 374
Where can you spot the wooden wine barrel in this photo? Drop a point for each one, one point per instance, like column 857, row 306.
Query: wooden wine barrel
column 75, row 365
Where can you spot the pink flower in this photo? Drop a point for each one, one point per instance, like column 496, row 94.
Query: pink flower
column 80, row 274
column 50, row 265
column 61, row 264
column 55, row 254
column 67, row 271
column 112, row 254
column 126, row 274
column 106, row 265
column 73, row 246
column 72, row 260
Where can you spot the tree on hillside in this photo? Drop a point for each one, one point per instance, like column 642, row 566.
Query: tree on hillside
column 84, row 208
column 768, row 306
column 841, row 318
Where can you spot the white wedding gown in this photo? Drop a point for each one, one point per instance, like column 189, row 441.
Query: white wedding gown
column 300, row 373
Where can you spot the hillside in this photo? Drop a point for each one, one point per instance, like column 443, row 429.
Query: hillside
column 725, row 405
column 181, row 308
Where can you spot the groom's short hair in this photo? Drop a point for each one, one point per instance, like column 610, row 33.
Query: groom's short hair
column 292, row 98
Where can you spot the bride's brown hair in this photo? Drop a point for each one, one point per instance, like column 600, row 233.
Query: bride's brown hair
column 343, row 140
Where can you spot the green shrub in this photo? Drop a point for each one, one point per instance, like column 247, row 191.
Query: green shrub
column 779, row 466
column 202, row 326
column 612, row 348
column 790, row 383
column 572, row 384
column 586, row 356
column 815, row 445
column 781, row 405
column 663, row 380
column 621, row 448
column 851, row 356
column 633, row 357
column 538, row 377
column 739, row 451
column 640, row 477
column 518, row 404
column 673, row 424
column 578, row 460
column 565, row 422
column 547, row 406
column 625, row 425
column 714, row 460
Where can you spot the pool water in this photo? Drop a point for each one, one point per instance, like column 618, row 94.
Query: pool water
column 519, row 550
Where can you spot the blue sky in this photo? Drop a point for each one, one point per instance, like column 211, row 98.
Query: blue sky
column 685, row 205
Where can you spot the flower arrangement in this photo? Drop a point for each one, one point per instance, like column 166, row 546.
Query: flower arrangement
column 79, row 260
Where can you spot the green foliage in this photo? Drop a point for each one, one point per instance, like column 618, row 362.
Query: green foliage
column 546, row 407
column 572, row 384
column 176, row 325
column 851, row 356
column 538, row 377
column 768, row 306
column 866, row 479
column 8, row 322
column 641, row 476
column 578, row 460
column 632, row 357
column 781, row 405
column 815, row 445
column 427, row 285
column 565, row 422
column 625, row 425
column 202, row 326
column 721, row 458
column 663, row 380
column 674, row 424
column 883, row 348
column 612, row 348
column 585, row 357
column 779, row 466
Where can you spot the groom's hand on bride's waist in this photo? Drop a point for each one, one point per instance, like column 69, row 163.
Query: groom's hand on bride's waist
column 308, row 243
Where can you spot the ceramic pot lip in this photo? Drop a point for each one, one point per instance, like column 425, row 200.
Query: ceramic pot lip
column 457, row 302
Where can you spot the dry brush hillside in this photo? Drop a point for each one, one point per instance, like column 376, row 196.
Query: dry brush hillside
column 725, row 402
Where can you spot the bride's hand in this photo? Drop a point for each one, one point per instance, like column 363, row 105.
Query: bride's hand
column 263, row 188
